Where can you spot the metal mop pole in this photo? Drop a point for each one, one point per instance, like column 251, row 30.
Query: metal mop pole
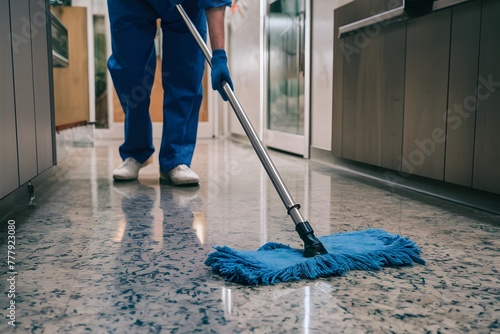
column 312, row 246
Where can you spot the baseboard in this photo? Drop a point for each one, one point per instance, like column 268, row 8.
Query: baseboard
column 474, row 198
column 21, row 196
column 239, row 138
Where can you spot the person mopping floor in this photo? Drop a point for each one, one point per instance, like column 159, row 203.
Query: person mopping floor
column 132, row 67
column 330, row 255
column 133, row 55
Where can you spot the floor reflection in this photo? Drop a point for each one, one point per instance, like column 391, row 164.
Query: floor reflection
column 103, row 257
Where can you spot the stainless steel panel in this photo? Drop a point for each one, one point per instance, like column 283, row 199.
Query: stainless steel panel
column 464, row 57
column 41, row 71
column 372, row 120
column 487, row 144
column 9, row 174
column 337, row 82
column 23, row 32
column 384, row 18
column 442, row 4
column 245, row 61
column 428, row 42
column 384, row 13
column 288, row 76
column 322, row 73
column 285, row 80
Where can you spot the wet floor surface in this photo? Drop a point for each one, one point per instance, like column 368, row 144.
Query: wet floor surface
column 96, row 256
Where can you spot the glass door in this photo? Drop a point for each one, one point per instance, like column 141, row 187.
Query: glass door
column 288, row 76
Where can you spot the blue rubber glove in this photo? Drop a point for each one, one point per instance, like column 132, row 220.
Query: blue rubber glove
column 173, row 3
column 220, row 72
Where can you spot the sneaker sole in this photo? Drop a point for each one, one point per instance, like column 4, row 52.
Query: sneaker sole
column 179, row 184
column 123, row 179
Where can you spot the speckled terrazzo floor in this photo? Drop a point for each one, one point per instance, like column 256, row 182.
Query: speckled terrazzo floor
column 98, row 257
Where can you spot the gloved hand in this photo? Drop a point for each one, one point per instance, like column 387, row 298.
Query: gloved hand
column 173, row 3
column 220, row 72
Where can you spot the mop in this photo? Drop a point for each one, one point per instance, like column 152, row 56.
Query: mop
column 331, row 255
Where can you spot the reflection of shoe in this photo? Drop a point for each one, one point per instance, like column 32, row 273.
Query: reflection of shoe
column 128, row 170
column 137, row 203
column 184, row 198
column 180, row 175
column 127, row 189
column 180, row 199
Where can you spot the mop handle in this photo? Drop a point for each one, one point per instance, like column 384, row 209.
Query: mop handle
column 279, row 185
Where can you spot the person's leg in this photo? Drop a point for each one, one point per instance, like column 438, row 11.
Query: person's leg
column 182, row 72
column 132, row 67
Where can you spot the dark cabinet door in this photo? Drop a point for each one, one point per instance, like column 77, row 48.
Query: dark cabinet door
column 372, row 118
column 428, row 43
column 461, row 113
column 487, row 143
column 41, row 87
column 23, row 84
column 9, row 175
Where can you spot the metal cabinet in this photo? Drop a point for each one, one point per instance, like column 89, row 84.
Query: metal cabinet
column 487, row 140
column 9, row 177
column 26, row 115
column 41, row 86
column 23, row 84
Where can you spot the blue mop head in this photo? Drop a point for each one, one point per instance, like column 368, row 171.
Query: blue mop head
column 371, row 249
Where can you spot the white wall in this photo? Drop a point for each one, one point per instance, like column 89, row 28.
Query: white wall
column 322, row 72
column 244, row 53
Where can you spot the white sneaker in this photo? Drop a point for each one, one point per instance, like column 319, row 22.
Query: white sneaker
column 180, row 175
column 128, row 170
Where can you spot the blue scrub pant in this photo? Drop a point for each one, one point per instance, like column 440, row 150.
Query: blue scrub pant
column 132, row 67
